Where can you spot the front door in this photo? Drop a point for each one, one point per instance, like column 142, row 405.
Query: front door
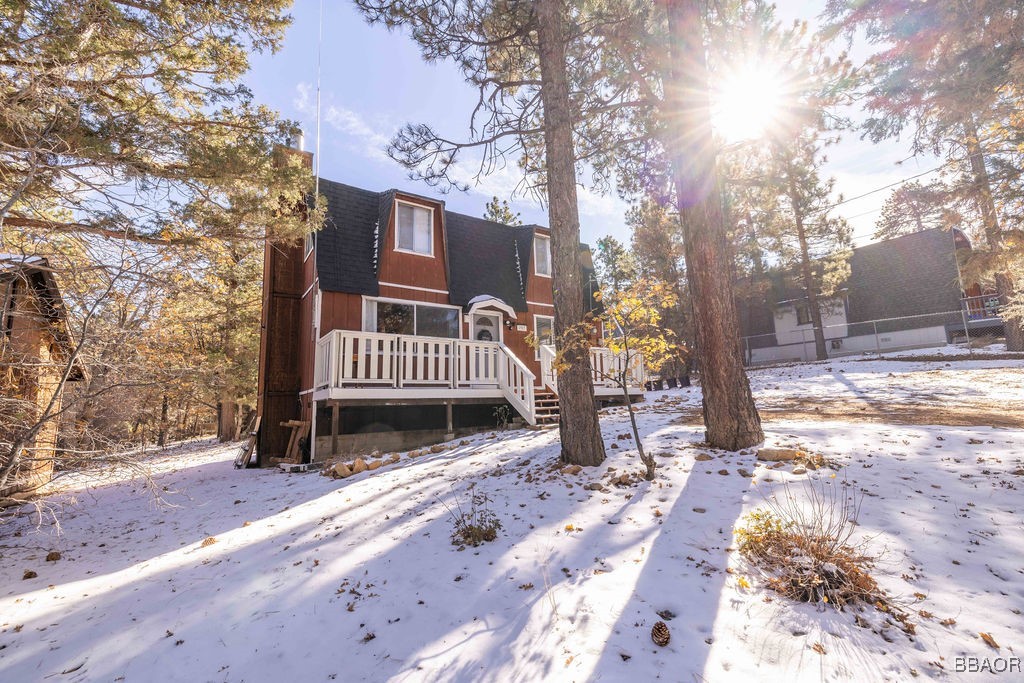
column 485, row 327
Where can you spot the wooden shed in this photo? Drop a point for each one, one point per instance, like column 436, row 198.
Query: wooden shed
column 35, row 348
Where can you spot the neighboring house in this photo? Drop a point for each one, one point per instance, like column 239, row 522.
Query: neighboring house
column 35, row 346
column 402, row 323
column 901, row 293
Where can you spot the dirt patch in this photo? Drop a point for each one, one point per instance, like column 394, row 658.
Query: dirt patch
column 976, row 414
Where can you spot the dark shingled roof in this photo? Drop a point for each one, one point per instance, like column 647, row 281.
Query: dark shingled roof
column 909, row 275
column 346, row 254
column 482, row 259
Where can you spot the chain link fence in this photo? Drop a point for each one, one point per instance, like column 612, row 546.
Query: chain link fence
column 978, row 317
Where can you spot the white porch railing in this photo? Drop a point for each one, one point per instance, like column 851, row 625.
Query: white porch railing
column 350, row 359
column 604, row 364
column 548, row 375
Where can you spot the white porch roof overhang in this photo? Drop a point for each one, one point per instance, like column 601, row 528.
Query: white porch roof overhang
column 489, row 301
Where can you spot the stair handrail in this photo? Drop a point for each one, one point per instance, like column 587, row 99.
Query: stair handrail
column 516, row 382
column 548, row 374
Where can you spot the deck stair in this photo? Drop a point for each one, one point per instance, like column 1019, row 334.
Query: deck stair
column 546, row 407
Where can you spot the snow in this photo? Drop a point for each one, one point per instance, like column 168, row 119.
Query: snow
column 304, row 569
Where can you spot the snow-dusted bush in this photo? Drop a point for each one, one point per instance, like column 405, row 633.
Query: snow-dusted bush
column 807, row 549
column 475, row 525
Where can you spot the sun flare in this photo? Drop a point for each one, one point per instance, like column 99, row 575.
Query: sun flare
column 748, row 103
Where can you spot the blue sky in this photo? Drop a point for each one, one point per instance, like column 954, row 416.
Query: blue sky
column 373, row 81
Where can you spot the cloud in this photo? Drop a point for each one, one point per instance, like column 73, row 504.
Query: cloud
column 599, row 213
column 359, row 136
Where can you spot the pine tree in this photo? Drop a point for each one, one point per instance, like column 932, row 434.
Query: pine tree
column 805, row 234
column 499, row 211
column 657, row 245
column 128, row 119
column 730, row 416
column 913, row 207
column 518, row 55
column 776, row 184
column 956, row 88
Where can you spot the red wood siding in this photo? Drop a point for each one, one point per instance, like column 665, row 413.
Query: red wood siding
column 412, row 269
column 341, row 311
column 282, row 337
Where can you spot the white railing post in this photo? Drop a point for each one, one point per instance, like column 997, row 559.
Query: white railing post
column 548, row 377
column 400, row 361
column 334, row 360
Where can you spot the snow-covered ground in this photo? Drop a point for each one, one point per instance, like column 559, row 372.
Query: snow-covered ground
column 947, row 379
column 259, row 575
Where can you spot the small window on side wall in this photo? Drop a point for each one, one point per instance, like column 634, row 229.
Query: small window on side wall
column 414, row 229
column 542, row 255
column 803, row 314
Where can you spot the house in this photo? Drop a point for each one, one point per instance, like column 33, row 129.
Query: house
column 35, row 347
column 901, row 293
column 402, row 323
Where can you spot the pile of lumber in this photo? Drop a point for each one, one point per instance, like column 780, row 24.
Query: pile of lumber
column 300, row 430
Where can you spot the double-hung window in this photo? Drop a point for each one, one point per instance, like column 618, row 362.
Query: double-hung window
column 415, row 229
column 542, row 255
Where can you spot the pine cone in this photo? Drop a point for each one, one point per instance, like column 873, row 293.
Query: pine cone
column 660, row 634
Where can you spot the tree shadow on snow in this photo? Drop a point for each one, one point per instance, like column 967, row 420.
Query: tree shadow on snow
column 683, row 578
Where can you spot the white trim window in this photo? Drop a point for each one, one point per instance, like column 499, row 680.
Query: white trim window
column 542, row 255
column 307, row 246
column 397, row 316
column 414, row 229
column 544, row 331
column 316, row 314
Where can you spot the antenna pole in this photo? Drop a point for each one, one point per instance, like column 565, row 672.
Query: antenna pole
column 316, row 157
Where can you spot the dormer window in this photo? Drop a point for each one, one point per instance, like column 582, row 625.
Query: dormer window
column 414, row 229
column 542, row 255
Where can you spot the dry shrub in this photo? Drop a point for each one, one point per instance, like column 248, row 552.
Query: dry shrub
column 815, row 461
column 475, row 525
column 807, row 552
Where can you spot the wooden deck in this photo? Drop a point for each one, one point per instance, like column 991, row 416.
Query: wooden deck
column 372, row 366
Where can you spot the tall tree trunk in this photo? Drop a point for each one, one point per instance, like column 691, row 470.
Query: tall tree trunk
column 161, row 439
column 227, row 411
column 578, row 426
column 993, row 232
column 730, row 416
column 807, row 270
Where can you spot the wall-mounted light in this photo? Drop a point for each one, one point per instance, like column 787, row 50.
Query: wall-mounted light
column 508, row 323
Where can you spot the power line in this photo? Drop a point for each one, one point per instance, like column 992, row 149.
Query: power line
column 884, row 187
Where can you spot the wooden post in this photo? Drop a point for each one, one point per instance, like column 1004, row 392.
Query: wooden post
column 448, row 415
column 335, row 426
column 311, row 433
